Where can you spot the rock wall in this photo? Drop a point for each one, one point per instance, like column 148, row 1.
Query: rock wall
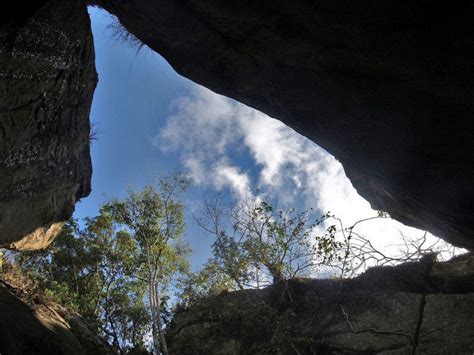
column 47, row 79
column 413, row 308
column 385, row 86
column 31, row 325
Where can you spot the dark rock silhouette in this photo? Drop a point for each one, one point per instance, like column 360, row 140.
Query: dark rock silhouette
column 47, row 79
column 29, row 324
column 385, row 86
column 405, row 309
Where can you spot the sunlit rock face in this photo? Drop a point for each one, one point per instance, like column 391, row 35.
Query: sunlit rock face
column 385, row 86
column 414, row 308
column 47, row 79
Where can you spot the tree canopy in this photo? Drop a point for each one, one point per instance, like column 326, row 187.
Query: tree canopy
column 117, row 269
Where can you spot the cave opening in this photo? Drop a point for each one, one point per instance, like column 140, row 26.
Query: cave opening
column 152, row 121
column 302, row 260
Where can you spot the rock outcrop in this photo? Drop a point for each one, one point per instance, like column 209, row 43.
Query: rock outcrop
column 31, row 325
column 47, row 79
column 385, row 86
column 419, row 307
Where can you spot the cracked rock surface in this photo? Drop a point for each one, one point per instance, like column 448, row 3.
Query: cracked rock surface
column 47, row 79
column 411, row 308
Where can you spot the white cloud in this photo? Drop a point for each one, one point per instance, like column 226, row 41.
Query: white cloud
column 231, row 176
column 211, row 132
column 201, row 120
column 196, row 169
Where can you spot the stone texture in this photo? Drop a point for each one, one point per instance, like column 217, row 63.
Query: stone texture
column 447, row 325
column 388, row 310
column 31, row 325
column 47, row 78
column 23, row 332
column 385, row 86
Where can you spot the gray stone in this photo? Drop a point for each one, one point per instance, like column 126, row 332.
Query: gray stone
column 47, row 78
column 385, row 86
column 448, row 325
column 375, row 313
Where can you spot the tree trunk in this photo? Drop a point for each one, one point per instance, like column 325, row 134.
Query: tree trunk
column 276, row 273
column 156, row 341
column 164, row 347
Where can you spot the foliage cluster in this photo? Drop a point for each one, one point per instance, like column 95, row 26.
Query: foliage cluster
column 256, row 245
column 116, row 270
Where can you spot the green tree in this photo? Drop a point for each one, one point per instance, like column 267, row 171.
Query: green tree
column 209, row 281
column 92, row 271
column 256, row 243
column 118, row 269
column 155, row 218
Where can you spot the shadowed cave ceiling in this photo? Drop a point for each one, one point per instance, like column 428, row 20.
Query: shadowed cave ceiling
column 386, row 87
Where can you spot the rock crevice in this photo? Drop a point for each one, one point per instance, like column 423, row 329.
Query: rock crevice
column 419, row 323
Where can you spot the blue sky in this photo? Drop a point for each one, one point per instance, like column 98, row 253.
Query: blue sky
column 130, row 106
column 152, row 121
